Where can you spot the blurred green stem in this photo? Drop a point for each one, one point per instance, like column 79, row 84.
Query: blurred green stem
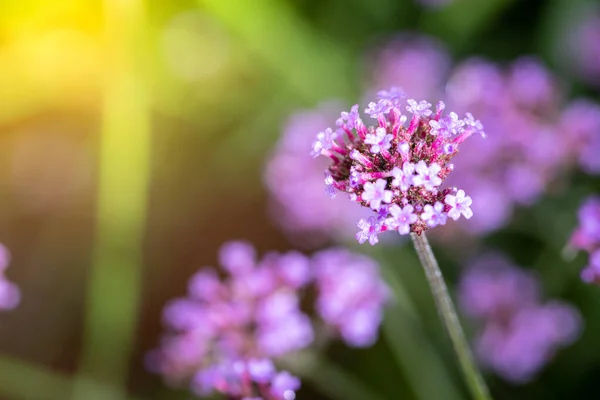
column 113, row 283
column 449, row 317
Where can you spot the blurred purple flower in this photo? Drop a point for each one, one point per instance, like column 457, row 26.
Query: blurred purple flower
column 520, row 333
column 591, row 273
column 492, row 288
column 351, row 295
column 10, row 295
column 227, row 331
column 246, row 380
column 415, row 63
column 587, row 234
column 525, row 147
column 584, row 44
column 580, row 121
column 587, row 237
column 300, row 205
column 519, row 349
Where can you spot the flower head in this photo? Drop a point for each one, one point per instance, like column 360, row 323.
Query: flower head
column 224, row 336
column 402, row 166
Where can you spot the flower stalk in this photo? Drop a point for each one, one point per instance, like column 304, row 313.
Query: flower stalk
column 449, row 317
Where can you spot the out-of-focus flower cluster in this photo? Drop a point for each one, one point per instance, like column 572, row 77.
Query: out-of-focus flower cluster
column 10, row 295
column 534, row 134
column 519, row 332
column 296, row 183
column 225, row 334
column 584, row 44
column 587, row 237
column 397, row 170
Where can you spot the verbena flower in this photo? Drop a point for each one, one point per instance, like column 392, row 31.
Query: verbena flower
column 587, row 237
column 519, row 333
column 10, row 295
column 225, row 333
column 400, row 179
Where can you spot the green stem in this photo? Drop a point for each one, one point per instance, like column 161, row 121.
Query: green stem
column 449, row 317
column 114, row 280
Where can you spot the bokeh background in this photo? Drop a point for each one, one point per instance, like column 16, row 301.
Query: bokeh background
column 134, row 136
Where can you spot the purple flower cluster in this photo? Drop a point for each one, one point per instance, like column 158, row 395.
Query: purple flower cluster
column 243, row 379
column 587, row 237
column 520, row 333
column 584, row 44
column 225, row 333
column 580, row 122
column 10, row 295
column 533, row 134
column 531, row 139
column 296, row 183
column 396, row 168
column 349, row 298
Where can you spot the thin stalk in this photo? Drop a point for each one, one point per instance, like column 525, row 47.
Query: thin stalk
column 449, row 317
